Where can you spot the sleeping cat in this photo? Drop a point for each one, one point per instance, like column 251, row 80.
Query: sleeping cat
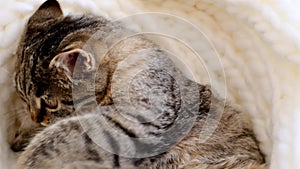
column 112, row 100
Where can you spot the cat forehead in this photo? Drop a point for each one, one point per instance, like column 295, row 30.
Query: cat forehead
column 48, row 22
column 46, row 40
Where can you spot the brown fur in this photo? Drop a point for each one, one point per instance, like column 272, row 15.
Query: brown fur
column 46, row 79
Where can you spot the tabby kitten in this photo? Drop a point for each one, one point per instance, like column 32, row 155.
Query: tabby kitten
column 119, row 102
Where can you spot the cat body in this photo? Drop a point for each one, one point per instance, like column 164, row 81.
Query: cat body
column 119, row 102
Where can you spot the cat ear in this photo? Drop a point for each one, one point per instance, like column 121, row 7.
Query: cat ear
column 48, row 10
column 73, row 61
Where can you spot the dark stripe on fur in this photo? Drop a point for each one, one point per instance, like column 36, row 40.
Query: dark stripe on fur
column 120, row 126
column 83, row 98
column 116, row 161
column 92, row 153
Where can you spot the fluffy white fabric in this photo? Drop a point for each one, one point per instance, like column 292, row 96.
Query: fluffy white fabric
column 257, row 44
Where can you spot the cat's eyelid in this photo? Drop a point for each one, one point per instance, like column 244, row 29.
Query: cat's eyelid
column 50, row 107
column 54, row 109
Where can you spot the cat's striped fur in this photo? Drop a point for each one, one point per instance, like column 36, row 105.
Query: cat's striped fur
column 105, row 136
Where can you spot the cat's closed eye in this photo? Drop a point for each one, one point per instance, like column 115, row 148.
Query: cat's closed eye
column 49, row 103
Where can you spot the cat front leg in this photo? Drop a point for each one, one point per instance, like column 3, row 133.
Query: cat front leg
column 64, row 145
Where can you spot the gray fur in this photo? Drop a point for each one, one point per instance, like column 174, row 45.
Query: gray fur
column 93, row 124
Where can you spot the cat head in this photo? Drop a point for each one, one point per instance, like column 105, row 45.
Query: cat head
column 49, row 49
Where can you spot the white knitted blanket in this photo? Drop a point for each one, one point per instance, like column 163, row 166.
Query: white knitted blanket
column 250, row 54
